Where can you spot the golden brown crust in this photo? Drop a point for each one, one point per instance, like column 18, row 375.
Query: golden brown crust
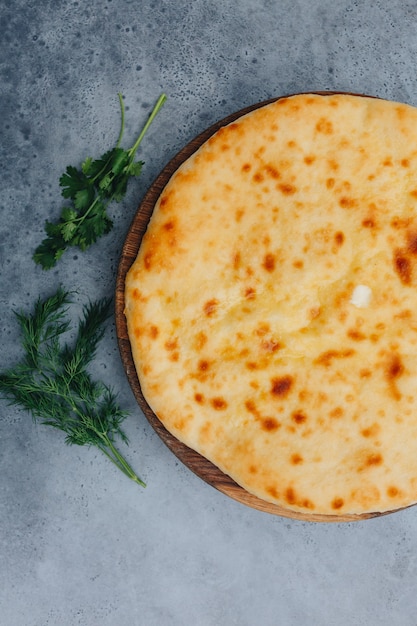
column 272, row 308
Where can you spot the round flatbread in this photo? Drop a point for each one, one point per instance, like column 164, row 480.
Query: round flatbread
column 272, row 307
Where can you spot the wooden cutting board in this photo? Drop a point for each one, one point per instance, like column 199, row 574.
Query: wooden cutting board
column 194, row 461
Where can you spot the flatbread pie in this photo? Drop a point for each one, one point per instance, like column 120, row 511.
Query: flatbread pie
column 272, row 307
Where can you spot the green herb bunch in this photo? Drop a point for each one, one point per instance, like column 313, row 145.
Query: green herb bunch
column 52, row 381
column 90, row 189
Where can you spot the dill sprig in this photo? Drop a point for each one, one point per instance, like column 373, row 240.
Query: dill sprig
column 52, row 381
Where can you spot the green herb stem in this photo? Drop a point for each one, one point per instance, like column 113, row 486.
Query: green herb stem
column 122, row 120
column 119, row 460
column 160, row 102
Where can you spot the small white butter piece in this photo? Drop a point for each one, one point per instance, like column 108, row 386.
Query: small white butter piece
column 361, row 296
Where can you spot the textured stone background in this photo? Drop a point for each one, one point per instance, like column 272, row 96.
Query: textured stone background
column 79, row 544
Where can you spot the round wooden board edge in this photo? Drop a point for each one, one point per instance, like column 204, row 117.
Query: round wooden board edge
column 199, row 465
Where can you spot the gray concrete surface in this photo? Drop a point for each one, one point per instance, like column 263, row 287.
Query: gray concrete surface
column 79, row 543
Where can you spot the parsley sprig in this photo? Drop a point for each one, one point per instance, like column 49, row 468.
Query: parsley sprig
column 52, row 381
column 90, row 189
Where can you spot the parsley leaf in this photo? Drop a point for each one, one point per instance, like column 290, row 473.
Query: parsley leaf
column 91, row 188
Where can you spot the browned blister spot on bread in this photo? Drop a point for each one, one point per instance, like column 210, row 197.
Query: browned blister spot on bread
column 337, row 503
column 309, row 159
column 239, row 213
column 219, row 403
column 369, row 222
column 272, row 491
column 299, row 417
column 200, row 340
column 153, row 332
column 270, row 345
column 324, row 126
column 210, row 307
column 281, row 385
column 369, row 460
column 199, row 398
column 399, row 223
column 272, row 171
column 169, row 226
column 356, row 335
column 374, row 460
column 402, row 266
column 290, row 496
column 412, row 242
column 394, row 369
column 393, row 492
column 237, row 260
column 171, row 345
column 269, row 262
column 326, row 358
column 371, row 431
column 250, row 293
column 346, row 202
column 287, row 189
column 293, row 498
column 165, row 200
column 269, row 424
column 147, row 260
column 204, row 370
